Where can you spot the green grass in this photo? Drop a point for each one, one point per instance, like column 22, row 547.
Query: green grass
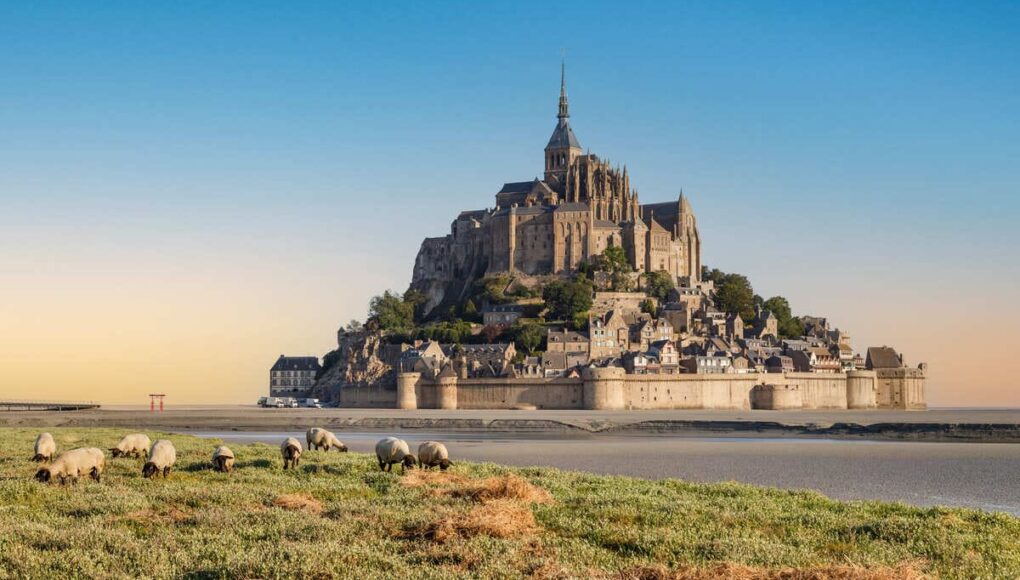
column 200, row 524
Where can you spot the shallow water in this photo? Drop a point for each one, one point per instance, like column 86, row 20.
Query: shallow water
column 979, row 475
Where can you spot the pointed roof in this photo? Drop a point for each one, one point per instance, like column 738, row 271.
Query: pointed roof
column 563, row 136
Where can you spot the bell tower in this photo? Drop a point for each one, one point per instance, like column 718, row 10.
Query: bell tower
column 563, row 146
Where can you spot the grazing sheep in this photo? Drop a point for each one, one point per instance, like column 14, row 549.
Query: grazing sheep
column 321, row 439
column 223, row 459
column 392, row 450
column 45, row 447
column 136, row 444
column 73, row 464
column 291, row 451
column 432, row 454
column 162, row 457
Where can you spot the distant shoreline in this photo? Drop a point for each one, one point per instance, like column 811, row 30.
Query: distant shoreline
column 959, row 425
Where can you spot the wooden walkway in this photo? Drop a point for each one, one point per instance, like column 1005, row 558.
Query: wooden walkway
column 19, row 405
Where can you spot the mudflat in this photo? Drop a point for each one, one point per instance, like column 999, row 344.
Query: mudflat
column 978, row 425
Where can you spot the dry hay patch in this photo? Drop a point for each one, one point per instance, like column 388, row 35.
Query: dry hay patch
column 502, row 487
column 497, row 518
column 423, row 478
column 298, row 502
column 734, row 571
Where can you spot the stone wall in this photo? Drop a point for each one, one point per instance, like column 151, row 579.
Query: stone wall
column 612, row 389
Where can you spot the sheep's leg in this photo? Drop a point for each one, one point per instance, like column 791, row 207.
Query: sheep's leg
column 166, row 472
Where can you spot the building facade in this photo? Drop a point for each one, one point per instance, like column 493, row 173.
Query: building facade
column 581, row 206
column 293, row 376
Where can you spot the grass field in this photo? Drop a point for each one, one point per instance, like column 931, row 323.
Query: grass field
column 337, row 515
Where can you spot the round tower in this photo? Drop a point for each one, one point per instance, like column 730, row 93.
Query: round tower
column 602, row 389
column 407, row 397
column 446, row 386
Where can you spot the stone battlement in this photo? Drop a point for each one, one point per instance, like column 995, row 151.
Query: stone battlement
column 610, row 388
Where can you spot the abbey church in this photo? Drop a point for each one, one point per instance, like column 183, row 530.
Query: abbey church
column 550, row 226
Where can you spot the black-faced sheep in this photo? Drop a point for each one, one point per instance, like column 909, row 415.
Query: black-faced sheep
column 161, row 459
column 318, row 438
column 291, row 451
column 73, row 464
column 433, row 454
column 136, row 444
column 45, row 447
column 392, row 450
column 223, row 459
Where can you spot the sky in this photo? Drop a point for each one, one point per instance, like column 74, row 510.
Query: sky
column 190, row 189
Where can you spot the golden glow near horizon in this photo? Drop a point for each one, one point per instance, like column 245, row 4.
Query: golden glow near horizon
column 211, row 337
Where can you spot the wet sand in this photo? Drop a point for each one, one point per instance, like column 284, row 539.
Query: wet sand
column 977, row 475
column 1001, row 425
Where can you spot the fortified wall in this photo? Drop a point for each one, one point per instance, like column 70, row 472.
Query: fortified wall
column 611, row 388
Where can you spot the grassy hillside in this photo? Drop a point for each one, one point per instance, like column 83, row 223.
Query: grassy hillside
column 338, row 516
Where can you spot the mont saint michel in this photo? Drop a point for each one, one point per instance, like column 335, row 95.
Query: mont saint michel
column 569, row 293
column 581, row 207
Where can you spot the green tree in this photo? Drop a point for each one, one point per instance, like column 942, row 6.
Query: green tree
column 648, row 306
column 789, row 325
column 659, row 284
column 528, row 336
column 392, row 312
column 621, row 282
column 568, row 298
column 734, row 295
column 470, row 311
column 616, row 260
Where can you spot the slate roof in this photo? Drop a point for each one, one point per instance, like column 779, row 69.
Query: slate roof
column 883, row 357
column 517, row 187
column 296, row 363
column 563, row 136
column 605, row 224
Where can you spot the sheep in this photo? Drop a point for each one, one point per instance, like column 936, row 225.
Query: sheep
column 223, row 459
column 137, row 444
column 45, row 447
column 433, row 453
column 291, row 451
column 392, row 450
column 321, row 439
column 74, row 463
column 162, row 457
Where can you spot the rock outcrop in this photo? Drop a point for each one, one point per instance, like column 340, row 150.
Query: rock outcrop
column 362, row 359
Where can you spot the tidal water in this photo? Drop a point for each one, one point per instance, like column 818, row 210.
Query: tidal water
column 978, row 475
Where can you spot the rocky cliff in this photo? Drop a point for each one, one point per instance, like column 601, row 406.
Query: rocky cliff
column 362, row 359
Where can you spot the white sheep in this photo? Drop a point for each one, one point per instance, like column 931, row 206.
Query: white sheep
column 432, row 454
column 162, row 457
column 73, row 464
column 392, row 450
column 45, row 447
column 318, row 438
column 291, row 451
column 223, row 459
column 136, row 444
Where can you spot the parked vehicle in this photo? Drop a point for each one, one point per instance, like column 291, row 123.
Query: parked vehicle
column 311, row 403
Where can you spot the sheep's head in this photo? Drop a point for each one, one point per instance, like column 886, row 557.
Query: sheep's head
column 409, row 461
column 115, row 452
column 43, row 475
column 444, row 464
column 342, row 448
column 149, row 469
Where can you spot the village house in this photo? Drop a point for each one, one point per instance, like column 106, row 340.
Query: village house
column 293, row 376
column 501, row 315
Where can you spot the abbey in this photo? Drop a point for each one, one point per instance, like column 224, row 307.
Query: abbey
column 550, row 226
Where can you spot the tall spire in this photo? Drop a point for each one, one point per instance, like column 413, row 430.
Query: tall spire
column 564, row 112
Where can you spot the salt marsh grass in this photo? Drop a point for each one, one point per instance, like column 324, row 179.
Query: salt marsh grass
column 338, row 516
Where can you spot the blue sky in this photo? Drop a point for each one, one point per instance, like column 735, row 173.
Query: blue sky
column 860, row 159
